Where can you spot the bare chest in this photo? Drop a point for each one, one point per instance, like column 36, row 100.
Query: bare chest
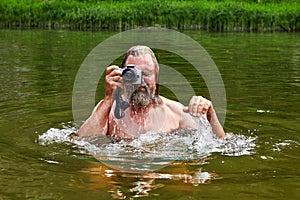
column 133, row 125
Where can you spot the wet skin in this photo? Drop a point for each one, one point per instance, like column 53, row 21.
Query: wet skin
column 166, row 116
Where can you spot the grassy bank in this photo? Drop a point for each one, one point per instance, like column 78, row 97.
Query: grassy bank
column 216, row 15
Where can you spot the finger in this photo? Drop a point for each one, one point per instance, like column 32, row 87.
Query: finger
column 114, row 78
column 193, row 105
column 112, row 67
column 113, row 70
column 186, row 109
column 190, row 107
column 200, row 109
column 200, row 106
column 197, row 104
column 114, row 85
column 206, row 107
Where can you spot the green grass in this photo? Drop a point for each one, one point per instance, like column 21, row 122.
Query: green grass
column 226, row 15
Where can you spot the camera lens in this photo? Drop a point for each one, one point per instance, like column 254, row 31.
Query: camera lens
column 129, row 75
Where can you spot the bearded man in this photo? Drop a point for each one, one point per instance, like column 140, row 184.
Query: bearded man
column 147, row 110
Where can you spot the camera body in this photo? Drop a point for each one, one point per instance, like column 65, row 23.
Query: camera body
column 131, row 75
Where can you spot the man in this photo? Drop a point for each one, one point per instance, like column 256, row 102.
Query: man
column 147, row 110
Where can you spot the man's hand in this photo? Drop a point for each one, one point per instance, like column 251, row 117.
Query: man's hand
column 113, row 80
column 198, row 106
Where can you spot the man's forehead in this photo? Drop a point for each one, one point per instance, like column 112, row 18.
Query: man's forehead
column 143, row 61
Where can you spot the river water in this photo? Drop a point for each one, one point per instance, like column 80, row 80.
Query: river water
column 258, row 159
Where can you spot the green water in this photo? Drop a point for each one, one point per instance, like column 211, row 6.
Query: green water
column 261, row 75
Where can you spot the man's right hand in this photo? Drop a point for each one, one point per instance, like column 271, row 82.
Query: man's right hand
column 113, row 80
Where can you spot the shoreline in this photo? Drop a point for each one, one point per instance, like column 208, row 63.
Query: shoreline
column 215, row 16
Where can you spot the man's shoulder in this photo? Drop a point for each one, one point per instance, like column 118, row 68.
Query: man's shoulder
column 175, row 106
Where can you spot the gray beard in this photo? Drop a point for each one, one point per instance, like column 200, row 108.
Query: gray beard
column 141, row 97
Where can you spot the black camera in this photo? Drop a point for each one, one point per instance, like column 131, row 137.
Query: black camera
column 131, row 75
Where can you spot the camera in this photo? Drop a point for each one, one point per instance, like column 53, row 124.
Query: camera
column 131, row 75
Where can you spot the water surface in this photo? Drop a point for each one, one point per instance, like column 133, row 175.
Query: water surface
column 262, row 79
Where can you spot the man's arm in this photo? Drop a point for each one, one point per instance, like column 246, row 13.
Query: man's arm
column 214, row 122
column 97, row 123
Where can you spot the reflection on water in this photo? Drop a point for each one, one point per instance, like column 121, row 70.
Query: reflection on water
column 144, row 184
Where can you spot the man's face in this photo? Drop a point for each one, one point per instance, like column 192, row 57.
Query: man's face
column 142, row 96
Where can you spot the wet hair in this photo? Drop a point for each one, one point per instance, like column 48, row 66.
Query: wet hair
column 142, row 50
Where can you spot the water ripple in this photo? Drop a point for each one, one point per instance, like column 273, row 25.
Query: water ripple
column 152, row 151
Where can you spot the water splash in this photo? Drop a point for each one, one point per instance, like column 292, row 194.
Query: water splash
column 282, row 144
column 152, row 151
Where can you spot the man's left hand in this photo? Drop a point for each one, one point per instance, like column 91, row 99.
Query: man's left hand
column 198, row 106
